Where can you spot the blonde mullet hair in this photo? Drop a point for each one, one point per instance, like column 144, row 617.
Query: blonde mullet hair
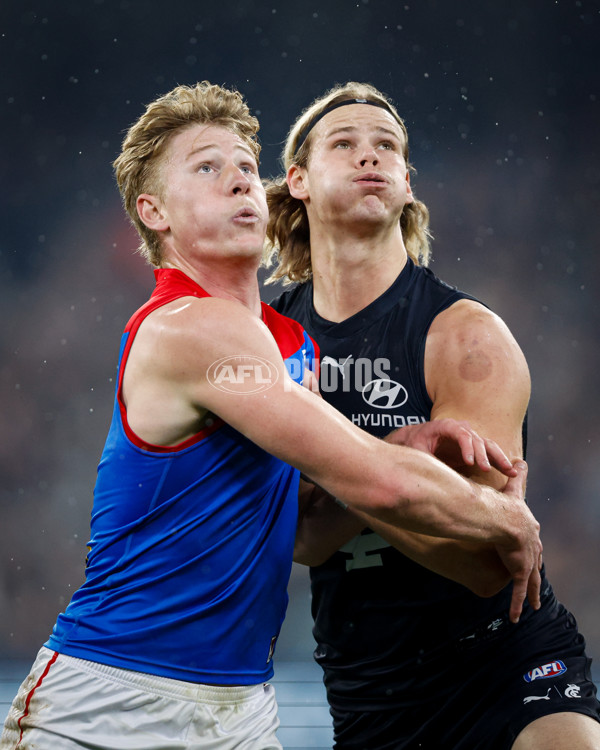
column 137, row 166
column 288, row 235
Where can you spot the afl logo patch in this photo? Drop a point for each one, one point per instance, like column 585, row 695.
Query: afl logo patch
column 384, row 394
column 552, row 669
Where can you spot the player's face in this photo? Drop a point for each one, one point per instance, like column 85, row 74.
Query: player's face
column 356, row 170
column 212, row 198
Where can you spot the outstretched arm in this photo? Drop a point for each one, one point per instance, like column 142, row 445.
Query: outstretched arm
column 397, row 485
column 324, row 525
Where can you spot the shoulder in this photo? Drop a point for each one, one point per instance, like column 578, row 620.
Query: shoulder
column 470, row 340
column 197, row 330
column 469, row 322
column 201, row 315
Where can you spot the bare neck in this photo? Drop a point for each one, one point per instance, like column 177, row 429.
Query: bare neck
column 233, row 279
column 350, row 273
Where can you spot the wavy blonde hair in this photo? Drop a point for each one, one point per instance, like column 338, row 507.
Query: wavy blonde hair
column 288, row 235
column 137, row 168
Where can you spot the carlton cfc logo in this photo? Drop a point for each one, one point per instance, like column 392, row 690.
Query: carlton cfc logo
column 552, row 669
column 384, row 394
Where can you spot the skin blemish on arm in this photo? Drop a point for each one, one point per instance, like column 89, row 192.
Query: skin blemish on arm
column 475, row 366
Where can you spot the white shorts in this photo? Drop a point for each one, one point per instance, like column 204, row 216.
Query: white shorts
column 68, row 703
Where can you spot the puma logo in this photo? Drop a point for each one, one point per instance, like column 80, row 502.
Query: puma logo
column 538, row 697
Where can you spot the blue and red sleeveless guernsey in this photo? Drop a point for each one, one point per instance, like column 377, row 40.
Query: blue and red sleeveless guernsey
column 191, row 546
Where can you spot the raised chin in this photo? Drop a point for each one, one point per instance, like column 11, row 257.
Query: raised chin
column 371, row 206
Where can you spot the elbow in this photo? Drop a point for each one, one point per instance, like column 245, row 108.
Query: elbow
column 488, row 586
column 309, row 555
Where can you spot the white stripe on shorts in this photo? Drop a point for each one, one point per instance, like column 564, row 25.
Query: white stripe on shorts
column 67, row 703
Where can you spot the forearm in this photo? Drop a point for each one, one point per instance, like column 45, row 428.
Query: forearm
column 476, row 566
column 406, row 488
column 323, row 526
column 397, row 485
column 439, row 519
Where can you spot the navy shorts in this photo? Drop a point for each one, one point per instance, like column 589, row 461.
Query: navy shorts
column 493, row 691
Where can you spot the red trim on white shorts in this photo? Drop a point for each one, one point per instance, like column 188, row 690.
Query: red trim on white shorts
column 31, row 692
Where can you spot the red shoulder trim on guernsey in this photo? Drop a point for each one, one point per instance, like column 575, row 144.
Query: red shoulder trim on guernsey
column 30, row 695
column 171, row 284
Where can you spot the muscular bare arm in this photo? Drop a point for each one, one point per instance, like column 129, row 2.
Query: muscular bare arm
column 474, row 370
column 324, row 526
column 166, row 376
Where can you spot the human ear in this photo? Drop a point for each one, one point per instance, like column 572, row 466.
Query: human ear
column 151, row 212
column 297, row 180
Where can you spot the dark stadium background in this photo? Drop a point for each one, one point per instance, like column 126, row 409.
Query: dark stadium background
column 502, row 105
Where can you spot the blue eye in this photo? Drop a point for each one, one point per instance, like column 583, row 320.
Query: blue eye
column 206, row 168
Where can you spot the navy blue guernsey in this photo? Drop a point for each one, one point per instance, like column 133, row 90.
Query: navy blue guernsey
column 384, row 624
